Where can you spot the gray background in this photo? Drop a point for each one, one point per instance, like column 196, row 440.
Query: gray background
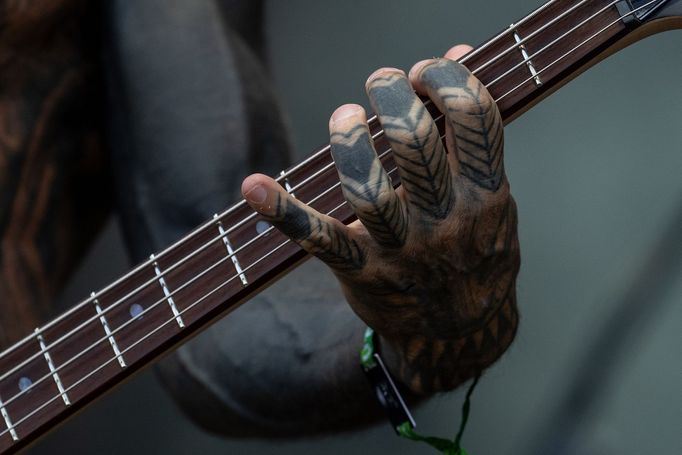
column 595, row 170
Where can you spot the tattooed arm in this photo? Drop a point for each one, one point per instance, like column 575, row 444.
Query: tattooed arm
column 430, row 266
column 53, row 178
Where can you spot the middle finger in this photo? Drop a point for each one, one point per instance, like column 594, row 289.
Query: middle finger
column 425, row 173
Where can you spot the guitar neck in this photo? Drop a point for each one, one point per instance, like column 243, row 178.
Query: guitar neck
column 75, row 358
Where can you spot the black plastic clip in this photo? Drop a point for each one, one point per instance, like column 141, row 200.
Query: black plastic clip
column 387, row 393
column 627, row 14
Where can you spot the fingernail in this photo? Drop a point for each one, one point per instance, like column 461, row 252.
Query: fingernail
column 345, row 111
column 257, row 194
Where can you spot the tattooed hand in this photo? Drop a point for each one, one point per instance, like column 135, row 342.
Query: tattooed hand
column 432, row 265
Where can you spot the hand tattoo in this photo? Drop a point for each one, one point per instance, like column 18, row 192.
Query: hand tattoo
column 431, row 266
column 367, row 188
column 475, row 124
column 324, row 238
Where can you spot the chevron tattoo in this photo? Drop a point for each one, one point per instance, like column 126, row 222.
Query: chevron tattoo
column 476, row 125
column 416, row 144
column 322, row 238
column 367, row 187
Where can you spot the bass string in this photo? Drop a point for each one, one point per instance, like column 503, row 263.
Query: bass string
column 186, row 258
column 182, row 287
column 284, row 175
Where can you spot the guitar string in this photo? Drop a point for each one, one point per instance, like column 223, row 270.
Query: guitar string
column 235, row 276
column 210, row 224
column 283, row 175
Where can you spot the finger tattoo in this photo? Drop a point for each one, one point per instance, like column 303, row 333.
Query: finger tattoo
column 318, row 235
column 475, row 119
column 417, row 147
column 367, row 187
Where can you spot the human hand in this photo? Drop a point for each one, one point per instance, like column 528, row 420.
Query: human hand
column 430, row 266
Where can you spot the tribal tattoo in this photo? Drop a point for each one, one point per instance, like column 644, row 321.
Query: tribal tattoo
column 367, row 188
column 416, row 144
column 474, row 122
column 430, row 266
column 325, row 239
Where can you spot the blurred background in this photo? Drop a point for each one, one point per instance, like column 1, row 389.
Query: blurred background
column 595, row 170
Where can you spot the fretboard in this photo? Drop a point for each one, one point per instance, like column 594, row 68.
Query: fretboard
column 177, row 292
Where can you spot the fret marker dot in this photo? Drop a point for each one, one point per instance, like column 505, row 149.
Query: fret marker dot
column 136, row 311
column 24, row 383
column 262, row 226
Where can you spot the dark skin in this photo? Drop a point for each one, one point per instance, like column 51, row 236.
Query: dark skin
column 432, row 265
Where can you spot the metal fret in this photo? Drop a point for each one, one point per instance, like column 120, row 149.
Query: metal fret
column 53, row 370
column 287, row 185
column 8, row 422
column 526, row 57
column 230, row 250
column 167, row 293
column 107, row 330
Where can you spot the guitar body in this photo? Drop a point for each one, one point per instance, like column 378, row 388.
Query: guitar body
column 145, row 420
